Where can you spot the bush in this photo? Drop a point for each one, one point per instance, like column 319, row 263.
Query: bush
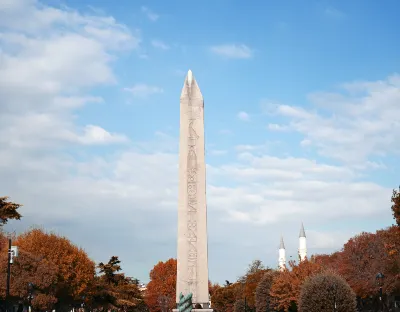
column 320, row 291
column 263, row 297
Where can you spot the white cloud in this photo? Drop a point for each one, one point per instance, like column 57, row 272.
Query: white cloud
column 97, row 135
column 233, row 51
column 159, row 45
column 243, row 116
column 276, row 127
column 143, row 90
column 355, row 125
column 150, row 14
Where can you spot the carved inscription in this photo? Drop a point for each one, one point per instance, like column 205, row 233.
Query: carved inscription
column 192, row 188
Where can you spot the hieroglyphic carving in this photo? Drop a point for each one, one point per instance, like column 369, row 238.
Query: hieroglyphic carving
column 192, row 180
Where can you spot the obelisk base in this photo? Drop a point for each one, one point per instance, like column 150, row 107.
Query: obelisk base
column 196, row 310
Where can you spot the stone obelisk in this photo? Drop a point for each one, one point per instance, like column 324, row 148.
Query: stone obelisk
column 192, row 275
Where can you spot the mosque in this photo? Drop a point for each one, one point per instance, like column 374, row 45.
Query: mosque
column 302, row 252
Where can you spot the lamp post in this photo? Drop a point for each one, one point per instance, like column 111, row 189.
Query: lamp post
column 30, row 296
column 333, row 289
column 83, row 303
column 380, row 279
column 267, row 303
column 245, row 299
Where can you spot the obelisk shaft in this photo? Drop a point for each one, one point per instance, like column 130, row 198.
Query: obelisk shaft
column 192, row 274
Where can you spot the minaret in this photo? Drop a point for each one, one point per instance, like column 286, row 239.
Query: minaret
column 192, row 268
column 282, row 256
column 302, row 244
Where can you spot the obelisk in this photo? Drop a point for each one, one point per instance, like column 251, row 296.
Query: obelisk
column 192, row 274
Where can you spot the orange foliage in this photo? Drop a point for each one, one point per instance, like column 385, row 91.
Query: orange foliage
column 28, row 268
column 162, row 285
column 250, row 286
column 75, row 270
column 213, row 287
column 367, row 254
column 286, row 286
column 224, row 298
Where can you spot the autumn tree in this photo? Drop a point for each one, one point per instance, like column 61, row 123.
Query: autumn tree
column 285, row 289
column 162, row 285
column 250, row 280
column 224, row 298
column 263, row 298
column 323, row 291
column 240, row 305
column 361, row 259
column 75, row 271
column 331, row 261
column 396, row 205
column 28, row 268
column 212, row 288
column 8, row 210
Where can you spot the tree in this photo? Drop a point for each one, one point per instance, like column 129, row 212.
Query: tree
column 396, row 205
column 322, row 291
column 250, row 280
column 115, row 291
column 212, row 288
column 162, row 283
column 263, row 298
column 28, row 268
column 75, row 271
column 361, row 259
column 224, row 298
column 8, row 210
column 240, row 305
column 331, row 261
column 110, row 270
column 285, row 289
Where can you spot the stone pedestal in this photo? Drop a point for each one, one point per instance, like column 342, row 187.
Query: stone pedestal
column 196, row 310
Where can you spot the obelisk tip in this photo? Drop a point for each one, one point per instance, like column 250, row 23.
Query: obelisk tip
column 189, row 77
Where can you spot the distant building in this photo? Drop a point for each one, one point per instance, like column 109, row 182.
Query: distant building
column 142, row 287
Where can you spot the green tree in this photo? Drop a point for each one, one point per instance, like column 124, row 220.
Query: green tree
column 115, row 291
column 8, row 210
column 396, row 205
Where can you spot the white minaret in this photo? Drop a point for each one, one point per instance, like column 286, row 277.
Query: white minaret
column 282, row 256
column 302, row 244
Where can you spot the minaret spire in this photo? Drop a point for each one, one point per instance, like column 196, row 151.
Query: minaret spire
column 302, row 244
column 282, row 255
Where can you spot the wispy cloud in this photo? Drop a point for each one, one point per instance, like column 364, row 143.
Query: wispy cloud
column 233, row 51
column 159, row 45
column 150, row 14
column 243, row 116
column 277, row 127
column 334, row 13
column 143, row 90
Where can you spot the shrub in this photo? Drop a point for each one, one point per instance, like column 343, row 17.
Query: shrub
column 320, row 292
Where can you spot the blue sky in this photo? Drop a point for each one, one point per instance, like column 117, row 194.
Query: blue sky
column 301, row 118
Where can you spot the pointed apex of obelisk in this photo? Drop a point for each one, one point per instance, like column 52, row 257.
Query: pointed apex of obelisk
column 282, row 245
column 302, row 232
column 189, row 77
column 190, row 87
